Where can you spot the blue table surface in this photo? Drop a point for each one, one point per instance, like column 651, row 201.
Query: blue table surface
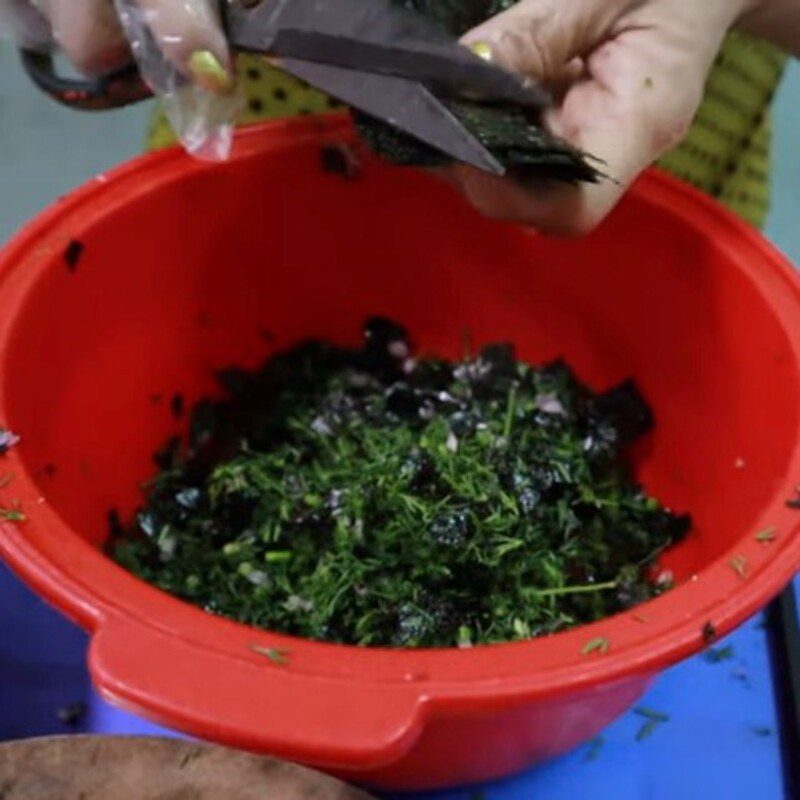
column 721, row 739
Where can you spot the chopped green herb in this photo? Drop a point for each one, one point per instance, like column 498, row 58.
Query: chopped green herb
column 647, row 730
column 13, row 514
column 641, row 618
column 651, row 714
column 593, row 748
column 767, row 535
column 277, row 656
column 739, row 565
column 598, row 645
column 717, row 655
column 368, row 497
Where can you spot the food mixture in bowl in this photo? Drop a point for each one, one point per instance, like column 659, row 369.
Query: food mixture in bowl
column 378, row 497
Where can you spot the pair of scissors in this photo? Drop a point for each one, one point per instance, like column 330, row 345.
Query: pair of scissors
column 387, row 61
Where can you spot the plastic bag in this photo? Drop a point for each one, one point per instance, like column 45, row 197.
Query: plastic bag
column 178, row 45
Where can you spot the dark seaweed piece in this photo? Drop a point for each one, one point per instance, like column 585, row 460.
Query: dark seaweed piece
column 176, row 405
column 371, row 497
column 72, row 714
column 341, row 160
column 73, row 254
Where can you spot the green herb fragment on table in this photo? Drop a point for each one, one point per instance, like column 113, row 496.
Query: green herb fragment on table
column 514, row 136
column 651, row 714
column 716, row 655
column 367, row 497
column 594, row 748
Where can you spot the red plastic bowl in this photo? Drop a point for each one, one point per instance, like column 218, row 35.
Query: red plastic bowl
column 187, row 267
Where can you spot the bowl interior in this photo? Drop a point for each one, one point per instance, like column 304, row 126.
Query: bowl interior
column 221, row 266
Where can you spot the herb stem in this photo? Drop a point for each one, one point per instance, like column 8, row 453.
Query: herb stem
column 511, row 408
column 585, row 589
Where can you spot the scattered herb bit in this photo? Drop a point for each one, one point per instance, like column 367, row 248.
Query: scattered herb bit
column 709, row 632
column 275, row 655
column 767, row 535
column 762, row 730
column 598, row 645
column 641, row 618
column 72, row 254
column 176, row 405
column 7, row 441
column 740, row 674
column 651, row 714
column 648, row 83
column 647, row 730
column 368, row 497
column 593, row 748
column 739, row 565
column 6, row 479
column 73, row 713
column 340, row 159
column 717, row 655
column 794, row 502
column 13, row 514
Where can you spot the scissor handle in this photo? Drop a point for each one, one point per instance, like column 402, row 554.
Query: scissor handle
column 116, row 90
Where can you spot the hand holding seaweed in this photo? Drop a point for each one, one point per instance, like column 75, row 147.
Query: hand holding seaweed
column 629, row 75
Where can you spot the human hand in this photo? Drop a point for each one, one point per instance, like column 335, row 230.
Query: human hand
column 179, row 45
column 628, row 76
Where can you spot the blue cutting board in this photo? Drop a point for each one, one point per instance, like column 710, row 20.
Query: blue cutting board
column 721, row 740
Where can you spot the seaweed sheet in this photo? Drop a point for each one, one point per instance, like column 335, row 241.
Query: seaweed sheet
column 516, row 138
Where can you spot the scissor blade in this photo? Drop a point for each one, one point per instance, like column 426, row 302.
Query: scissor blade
column 375, row 36
column 404, row 104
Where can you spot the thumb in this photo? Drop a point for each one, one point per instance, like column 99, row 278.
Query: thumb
column 541, row 38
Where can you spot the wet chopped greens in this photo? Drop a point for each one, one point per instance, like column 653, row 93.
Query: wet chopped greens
column 368, row 497
column 514, row 136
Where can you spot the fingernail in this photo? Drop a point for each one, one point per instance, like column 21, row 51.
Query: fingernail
column 482, row 50
column 208, row 72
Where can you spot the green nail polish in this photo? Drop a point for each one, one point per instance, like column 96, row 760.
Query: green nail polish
column 208, row 72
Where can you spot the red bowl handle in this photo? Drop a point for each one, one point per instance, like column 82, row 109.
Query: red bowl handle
column 254, row 703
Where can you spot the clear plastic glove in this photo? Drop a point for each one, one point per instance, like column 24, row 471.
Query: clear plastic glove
column 629, row 75
column 178, row 44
